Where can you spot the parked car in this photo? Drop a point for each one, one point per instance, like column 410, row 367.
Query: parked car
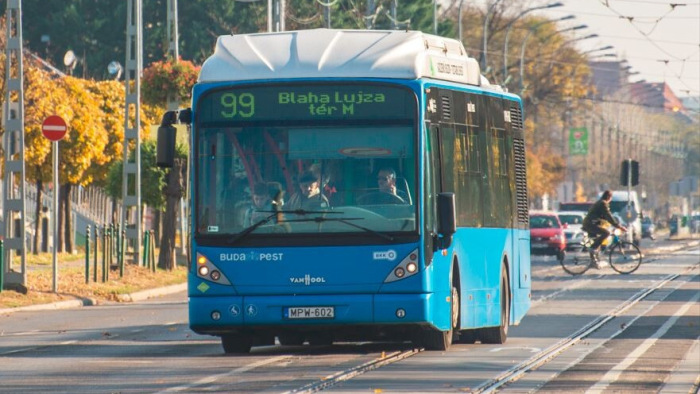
column 648, row 228
column 572, row 222
column 547, row 234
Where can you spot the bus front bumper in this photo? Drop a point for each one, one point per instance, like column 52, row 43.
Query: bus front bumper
column 217, row 314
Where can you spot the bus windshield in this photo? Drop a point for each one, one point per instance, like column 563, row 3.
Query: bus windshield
column 284, row 169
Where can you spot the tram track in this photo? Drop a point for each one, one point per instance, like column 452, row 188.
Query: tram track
column 549, row 354
column 350, row 373
column 516, row 372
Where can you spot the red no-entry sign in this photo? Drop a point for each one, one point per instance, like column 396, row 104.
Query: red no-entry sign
column 54, row 128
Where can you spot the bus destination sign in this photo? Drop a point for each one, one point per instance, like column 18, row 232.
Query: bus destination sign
column 307, row 102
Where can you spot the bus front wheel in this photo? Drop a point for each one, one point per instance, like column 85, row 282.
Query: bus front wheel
column 233, row 344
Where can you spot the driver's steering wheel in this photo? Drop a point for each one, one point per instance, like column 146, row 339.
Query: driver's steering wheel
column 380, row 198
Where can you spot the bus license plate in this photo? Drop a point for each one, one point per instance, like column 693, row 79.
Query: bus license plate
column 309, row 312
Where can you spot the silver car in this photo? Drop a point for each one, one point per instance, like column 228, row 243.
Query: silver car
column 572, row 221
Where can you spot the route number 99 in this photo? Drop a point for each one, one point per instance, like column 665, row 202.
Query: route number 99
column 242, row 105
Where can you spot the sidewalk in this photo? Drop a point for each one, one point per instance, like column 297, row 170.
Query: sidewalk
column 137, row 296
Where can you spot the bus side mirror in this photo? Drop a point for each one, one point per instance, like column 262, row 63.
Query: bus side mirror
column 447, row 221
column 165, row 148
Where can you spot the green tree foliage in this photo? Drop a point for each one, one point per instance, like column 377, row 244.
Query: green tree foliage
column 96, row 30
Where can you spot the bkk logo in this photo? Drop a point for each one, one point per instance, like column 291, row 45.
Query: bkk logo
column 386, row 255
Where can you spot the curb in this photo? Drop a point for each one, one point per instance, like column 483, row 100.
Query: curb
column 137, row 296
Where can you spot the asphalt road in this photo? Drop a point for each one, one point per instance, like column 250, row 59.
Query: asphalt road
column 649, row 345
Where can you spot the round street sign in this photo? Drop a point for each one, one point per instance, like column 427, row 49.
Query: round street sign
column 54, row 128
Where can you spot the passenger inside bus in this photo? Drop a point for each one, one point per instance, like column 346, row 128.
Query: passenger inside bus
column 309, row 197
column 261, row 207
column 387, row 192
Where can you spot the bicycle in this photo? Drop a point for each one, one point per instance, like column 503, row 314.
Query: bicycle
column 624, row 257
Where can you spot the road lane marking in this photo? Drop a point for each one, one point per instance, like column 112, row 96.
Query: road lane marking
column 615, row 372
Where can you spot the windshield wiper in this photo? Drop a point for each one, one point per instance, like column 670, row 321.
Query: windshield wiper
column 252, row 228
column 320, row 219
column 274, row 213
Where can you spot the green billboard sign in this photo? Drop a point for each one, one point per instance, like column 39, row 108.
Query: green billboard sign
column 578, row 141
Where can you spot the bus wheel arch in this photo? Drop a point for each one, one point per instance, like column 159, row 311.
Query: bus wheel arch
column 456, row 287
column 499, row 334
column 434, row 339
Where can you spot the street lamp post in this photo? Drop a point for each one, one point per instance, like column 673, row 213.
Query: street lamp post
column 602, row 56
column 270, row 18
column 605, row 48
column 485, row 34
column 512, row 22
column 459, row 19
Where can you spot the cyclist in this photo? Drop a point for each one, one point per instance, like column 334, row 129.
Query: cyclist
column 594, row 224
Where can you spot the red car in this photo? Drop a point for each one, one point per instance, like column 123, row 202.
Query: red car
column 547, row 235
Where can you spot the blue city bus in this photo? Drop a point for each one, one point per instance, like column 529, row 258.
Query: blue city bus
column 353, row 185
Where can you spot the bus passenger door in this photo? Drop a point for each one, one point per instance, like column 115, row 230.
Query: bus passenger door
column 432, row 171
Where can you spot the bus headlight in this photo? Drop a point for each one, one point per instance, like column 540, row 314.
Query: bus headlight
column 208, row 271
column 405, row 268
column 203, row 270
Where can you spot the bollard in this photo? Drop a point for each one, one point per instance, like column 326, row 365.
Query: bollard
column 87, row 254
column 94, row 259
column 121, row 252
column 118, row 237
column 2, row 265
column 112, row 247
column 146, row 237
column 104, row 253
column 153, row 250
column 110, row 250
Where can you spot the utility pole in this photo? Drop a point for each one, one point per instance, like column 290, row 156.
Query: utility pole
column 131, row 188
column 369, row 15
column 14, row 193
column 174, row 104
column 278, row 12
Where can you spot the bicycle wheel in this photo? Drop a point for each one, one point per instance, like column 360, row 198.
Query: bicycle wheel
column 576, row 262
column 625, row 257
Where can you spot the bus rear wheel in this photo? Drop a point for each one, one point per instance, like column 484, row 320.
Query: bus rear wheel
column 236, row 343
column 499, row 334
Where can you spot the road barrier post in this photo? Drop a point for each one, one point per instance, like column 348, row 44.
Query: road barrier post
column 153, row 250
column 146, row 261
column 87, row 254
column 2, row 265
column 94, row 259
column 121, row 252
column 118, row 244
column 105, row 249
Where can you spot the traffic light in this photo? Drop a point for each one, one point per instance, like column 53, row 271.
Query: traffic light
column 625, row 175
column 635, row 172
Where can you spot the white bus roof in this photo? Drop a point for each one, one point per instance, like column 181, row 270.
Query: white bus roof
column 331, row 53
